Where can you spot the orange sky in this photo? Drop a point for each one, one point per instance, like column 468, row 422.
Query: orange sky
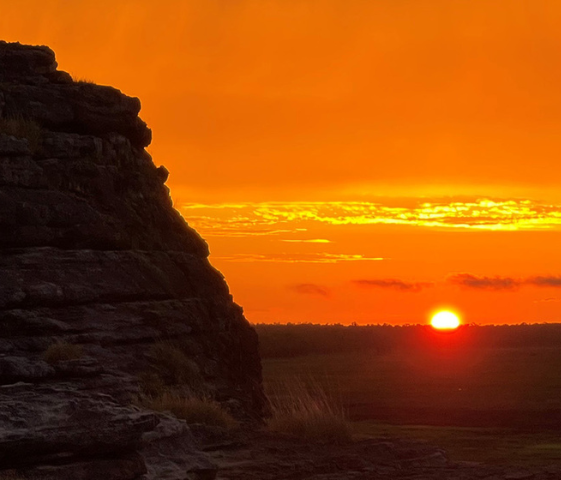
column 366, row 160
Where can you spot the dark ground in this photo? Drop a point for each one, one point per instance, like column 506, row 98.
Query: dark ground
column 490, row 395
column 265, row 456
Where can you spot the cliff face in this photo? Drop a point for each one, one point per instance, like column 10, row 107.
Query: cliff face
column 94, row 260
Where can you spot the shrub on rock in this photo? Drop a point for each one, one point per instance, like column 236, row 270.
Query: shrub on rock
column 61, row 352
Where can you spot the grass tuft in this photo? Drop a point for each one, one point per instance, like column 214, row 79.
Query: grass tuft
column 191, row 409
column 305, row 410
column 62, row 351
column 151, row 384
column 21, row 127
column 83, row 80
column 173, row 366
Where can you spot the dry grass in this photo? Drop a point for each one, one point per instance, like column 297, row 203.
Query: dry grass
column 21, row 127
column 173, row 367
column 62, row 351
column 84, row 80
column 151, row 384
column 191, row 409
column 304, row 409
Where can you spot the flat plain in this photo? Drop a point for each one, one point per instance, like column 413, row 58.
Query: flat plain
column 488, row 394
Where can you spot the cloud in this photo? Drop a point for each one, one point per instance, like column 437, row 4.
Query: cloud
column 310, row 240
column 272, row 218
column 393, row 284
column 466, row 280
column 318, row 257
column 548, row 300
column 545, row 281
column 311, row 289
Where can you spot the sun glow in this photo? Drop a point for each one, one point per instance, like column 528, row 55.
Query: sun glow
column 445, row 320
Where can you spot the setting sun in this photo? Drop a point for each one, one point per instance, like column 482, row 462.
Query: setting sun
column 445, row 320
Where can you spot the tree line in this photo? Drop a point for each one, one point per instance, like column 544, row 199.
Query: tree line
column 290, row 340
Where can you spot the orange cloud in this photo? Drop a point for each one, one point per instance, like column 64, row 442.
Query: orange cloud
column 272, row 218
column 311, row 289
column 545, row 281
column 503, row 283
column 311, row 240
column 319, row 257
column 484, row 283
column 393, row 284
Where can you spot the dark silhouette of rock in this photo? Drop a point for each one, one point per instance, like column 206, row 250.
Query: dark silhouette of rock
column 92, row 254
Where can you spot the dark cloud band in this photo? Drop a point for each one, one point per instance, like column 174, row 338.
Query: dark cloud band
column 311, row 289
column 467, row 280
column 392, row 284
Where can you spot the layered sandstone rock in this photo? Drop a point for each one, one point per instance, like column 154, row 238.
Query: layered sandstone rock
column 92, row 254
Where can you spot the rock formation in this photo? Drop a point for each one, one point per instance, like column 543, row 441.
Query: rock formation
column 105, row 292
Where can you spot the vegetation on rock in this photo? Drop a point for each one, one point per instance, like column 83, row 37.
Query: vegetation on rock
column 61, row 352
column 173, row 366
column 21, row 127
column 82, row 80
column 192, row 409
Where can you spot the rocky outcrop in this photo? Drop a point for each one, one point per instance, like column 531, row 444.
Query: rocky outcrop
column 105, row 291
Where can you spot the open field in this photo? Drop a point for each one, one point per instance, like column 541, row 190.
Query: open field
column 487, row 445
column 491, row 403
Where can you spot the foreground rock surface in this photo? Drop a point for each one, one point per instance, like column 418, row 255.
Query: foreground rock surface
column 105, row 291
column 266, row 456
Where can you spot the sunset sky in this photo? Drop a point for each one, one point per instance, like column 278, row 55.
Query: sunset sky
column 362, row 161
